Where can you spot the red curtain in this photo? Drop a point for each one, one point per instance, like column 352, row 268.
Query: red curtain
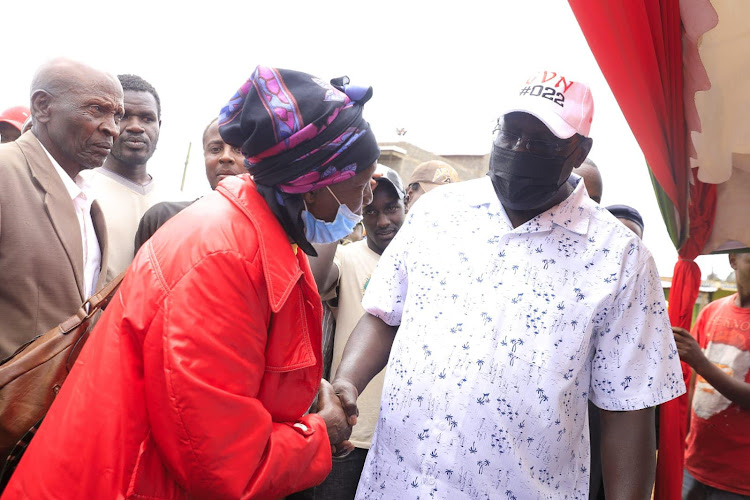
column 638, row 45
column 686, row 283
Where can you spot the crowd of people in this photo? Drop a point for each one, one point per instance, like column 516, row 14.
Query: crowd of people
column 315, row 328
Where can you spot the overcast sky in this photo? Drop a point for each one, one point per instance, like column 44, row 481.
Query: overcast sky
column 441, row 70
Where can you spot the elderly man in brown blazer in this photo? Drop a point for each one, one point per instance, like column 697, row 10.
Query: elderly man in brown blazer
column 52, row 232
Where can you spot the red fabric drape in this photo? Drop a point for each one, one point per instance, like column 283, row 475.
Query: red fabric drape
column 638, row 45
column 686, row 283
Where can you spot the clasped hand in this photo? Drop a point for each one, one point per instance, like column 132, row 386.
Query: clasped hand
column 338, row 409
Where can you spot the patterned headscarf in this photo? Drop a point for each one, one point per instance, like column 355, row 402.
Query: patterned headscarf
column 298, row 134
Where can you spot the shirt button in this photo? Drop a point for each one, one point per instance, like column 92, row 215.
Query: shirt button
column 431, row 480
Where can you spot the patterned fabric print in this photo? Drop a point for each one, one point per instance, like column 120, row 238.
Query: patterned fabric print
column 234, row 106
column 327, row 176
column 308, row 132
column 504, row 336
column 279, row 102
column 332, row 94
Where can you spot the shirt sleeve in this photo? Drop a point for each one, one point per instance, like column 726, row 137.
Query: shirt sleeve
column 386, row 291
column 635, row 364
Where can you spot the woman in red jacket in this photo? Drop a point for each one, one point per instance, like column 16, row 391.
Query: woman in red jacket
column 196, row 379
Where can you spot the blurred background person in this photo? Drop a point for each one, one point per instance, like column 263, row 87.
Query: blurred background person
column 628, row 216
column 124, row 186
column 221, row 160
column 345, row 276
column 12, row 121
column 717, row 460
column 426, row 177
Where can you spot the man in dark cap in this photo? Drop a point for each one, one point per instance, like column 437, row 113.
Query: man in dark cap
column 197, row 380
column 501, row 307
column 628, row 216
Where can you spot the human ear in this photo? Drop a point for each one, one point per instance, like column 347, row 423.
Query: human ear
column 41, row 101
column 310, row 197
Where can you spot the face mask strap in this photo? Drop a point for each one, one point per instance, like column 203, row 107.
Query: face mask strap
column 334, row 196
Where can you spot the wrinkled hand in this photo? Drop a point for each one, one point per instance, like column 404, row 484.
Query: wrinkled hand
column 687, row 346
column 348, row 395
column 329, row 409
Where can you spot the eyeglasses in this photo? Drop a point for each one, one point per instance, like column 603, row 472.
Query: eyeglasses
column 542, row 149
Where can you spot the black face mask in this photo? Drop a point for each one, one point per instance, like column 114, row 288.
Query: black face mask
column 523, row 181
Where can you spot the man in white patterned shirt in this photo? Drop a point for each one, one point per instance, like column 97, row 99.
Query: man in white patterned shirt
column 516, row 299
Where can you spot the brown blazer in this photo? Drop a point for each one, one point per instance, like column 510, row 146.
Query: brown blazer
column 41, row 256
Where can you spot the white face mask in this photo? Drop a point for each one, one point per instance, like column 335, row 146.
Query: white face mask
column 319, row 231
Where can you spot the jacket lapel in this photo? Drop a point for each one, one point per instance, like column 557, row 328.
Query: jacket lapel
column 100, row 227
column 57, row 203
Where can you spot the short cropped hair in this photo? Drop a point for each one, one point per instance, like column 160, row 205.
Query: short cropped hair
column 137, row 84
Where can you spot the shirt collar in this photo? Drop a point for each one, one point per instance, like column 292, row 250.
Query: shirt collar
column 281, row 268
column 572, row 214
column 77, row 188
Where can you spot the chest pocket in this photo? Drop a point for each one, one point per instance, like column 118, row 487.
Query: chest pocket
column 289, row 346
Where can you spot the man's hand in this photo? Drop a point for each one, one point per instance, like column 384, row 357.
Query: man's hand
column 329, row 409
column 348, row 395
column 687, row 346
column 735, row 390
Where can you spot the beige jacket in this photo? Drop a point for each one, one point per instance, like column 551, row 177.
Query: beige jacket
column 41, row 256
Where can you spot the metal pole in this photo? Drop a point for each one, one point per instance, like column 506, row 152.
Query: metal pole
column 184, row 170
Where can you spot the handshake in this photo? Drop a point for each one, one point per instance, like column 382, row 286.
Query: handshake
column 337, row 406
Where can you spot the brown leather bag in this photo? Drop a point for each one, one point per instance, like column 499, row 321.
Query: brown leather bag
column 31, row 377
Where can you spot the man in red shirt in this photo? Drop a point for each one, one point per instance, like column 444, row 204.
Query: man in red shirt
column 717, row 461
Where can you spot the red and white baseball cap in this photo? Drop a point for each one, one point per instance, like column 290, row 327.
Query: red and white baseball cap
column 564, row 105
column 16, row 116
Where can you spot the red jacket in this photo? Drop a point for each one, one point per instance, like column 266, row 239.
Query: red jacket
column 195, row 380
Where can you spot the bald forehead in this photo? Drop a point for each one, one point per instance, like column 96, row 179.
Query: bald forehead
column 589, row 169
column 592, row 178
column 65, row 75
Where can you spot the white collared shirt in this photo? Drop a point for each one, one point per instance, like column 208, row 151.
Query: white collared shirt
column 504, row 336
column 81, row 194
